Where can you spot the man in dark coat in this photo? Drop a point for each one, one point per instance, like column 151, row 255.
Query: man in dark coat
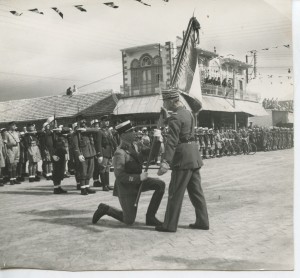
column 85, row 151
column 59, row 153
column 129, row 176
column 182, row 156
column 109, row 146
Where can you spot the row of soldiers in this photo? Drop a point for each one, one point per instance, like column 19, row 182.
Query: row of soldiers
column 215, row 142
column 86, row 151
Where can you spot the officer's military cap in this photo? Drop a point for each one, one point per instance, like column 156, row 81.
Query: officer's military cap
column 45, row 124
column 124, row 127
column 171, row 93
column 94, row 121
column 2, row 129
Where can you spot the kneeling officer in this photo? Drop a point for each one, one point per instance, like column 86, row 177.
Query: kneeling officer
column 128, row 163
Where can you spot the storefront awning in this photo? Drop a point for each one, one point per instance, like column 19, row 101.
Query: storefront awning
column 217, row 104
column 220, row 104
column 249, row 107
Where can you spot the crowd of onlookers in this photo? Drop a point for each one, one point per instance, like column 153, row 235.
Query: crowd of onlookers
column 275, row 104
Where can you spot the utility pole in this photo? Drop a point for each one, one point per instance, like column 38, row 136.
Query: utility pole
column 247, row 70
column 254, row 62
column 233, row 87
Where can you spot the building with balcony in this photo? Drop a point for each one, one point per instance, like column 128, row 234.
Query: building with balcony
column 148, row 69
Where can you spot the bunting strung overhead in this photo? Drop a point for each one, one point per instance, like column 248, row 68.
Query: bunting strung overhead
column 16, row 13
column 79, row 7
column 111, row 4
column 82, row 9
column 58, row 11
column 268, row 48
column 36, row 11
column 143, row 3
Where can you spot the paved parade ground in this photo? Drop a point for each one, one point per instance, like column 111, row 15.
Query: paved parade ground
column 250, row 205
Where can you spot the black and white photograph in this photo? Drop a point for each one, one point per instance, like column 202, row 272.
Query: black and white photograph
column 153, row 135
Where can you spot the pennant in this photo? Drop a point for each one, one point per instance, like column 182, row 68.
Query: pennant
column 286, row 45
column 265, row 49
column 35, row 11
column 16, row 13
column 111, row 4
column 79, row 7
column 58, row 11
column 143, row 3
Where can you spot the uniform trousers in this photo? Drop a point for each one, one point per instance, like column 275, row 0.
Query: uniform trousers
column 127, row 201
column 86, row 169
column 105, row 165
column 180, row 181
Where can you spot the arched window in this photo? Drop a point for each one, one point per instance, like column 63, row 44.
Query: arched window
column 146, row 74
column 146, row 61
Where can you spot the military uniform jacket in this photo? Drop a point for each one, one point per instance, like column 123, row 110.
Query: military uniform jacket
column 83, row 144
column 181, row 151
column 108, row 143
column 127, row 168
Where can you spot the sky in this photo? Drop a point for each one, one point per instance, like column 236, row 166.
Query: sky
column 43, row 55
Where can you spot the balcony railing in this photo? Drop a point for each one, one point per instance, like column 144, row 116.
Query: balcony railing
column 208, row 89
column 144, row 89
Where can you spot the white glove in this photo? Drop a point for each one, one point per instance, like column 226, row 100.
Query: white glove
column 164, row 167
column 144, row 176
column 81, row 158
column 100, row 159
column 81, row 129
column 55, row 157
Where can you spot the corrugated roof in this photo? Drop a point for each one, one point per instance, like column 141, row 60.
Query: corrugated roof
column 141, row 104
column 60, row 105
column 210, row 103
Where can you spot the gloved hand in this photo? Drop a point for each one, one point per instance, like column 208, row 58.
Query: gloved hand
column 81, row 158
column 144, row 176
column 100, row 159
column 164, row 167
column 55, row 157
column 81, row 129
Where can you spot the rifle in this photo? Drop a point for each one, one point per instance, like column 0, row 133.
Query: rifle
column 155, row 147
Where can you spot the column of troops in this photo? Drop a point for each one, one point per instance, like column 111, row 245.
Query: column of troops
column 217, row 143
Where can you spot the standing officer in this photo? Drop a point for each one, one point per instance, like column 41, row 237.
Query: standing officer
column 84, row 149
column 12, row 142
column 128, row 163
column 109, row 146
column 182, row 155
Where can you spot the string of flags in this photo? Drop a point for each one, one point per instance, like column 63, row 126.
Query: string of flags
column 269, row 48
column 78, row 7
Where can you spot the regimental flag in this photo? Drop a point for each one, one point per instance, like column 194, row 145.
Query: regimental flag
column 79, row 7
column 111, row 4
column 58, row 11
column 36, row 11
column 143, row 3
column 185, row 67
column 16, row 13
